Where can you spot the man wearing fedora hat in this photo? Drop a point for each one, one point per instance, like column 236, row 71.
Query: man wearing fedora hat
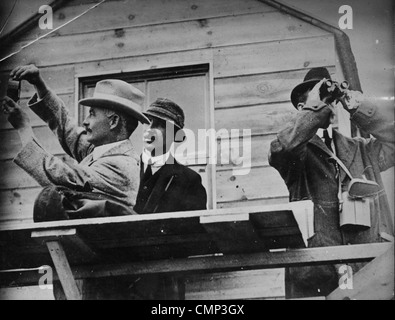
column 166, row 185
column 106, row 170
column 305, row 154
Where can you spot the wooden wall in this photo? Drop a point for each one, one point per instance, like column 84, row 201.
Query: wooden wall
column 257, row 55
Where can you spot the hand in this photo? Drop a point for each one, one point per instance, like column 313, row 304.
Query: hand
column 29, row 73
column 352, row 100
column 314, row 94
column 16, row 115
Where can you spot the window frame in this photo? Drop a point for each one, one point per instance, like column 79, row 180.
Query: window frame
column 163, row 72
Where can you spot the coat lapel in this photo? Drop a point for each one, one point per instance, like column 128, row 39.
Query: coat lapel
column 167, row 175
column 316, row 141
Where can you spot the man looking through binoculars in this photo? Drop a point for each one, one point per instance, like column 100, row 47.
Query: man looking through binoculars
column 341, row 175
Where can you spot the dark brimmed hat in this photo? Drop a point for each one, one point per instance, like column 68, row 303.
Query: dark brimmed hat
column 167, row 110
column 312, row 77
column 119, row 96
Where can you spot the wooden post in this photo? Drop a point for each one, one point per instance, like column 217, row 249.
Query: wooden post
column 75, row 245
column 63, row 270
column 375, row 281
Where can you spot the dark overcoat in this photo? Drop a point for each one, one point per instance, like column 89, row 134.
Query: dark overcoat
column 305, row 164
column 172, row 188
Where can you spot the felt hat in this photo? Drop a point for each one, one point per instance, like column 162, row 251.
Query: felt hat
column 312, row 77
column 167, row 110
column 119, row 96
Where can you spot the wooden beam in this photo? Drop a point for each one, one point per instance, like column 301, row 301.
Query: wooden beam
column 63, row 270
column 373, row 282
column 266, row 260
column 233, row 233
column 135, row 218
column 76, row 246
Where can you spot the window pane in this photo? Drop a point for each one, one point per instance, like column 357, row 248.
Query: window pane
column 190, row 94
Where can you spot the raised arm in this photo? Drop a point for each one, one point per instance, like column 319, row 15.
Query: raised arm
column 109, row 175
column 52, row 110
column 368, row 117
column 289, row 148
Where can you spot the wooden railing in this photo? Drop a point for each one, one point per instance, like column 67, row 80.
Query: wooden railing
column 174, row 244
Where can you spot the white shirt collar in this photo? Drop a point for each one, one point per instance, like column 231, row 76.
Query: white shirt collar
column 155, row 162
column 320, row 132
column 98, row 152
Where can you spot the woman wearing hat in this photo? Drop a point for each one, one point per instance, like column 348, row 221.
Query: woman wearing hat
column 106, row 168
column 305, row 160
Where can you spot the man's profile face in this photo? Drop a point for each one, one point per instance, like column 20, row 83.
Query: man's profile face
column 158, row 136
column 97, row 126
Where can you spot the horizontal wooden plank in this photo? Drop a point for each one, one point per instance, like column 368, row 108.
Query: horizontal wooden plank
column 10, row 143
column 123, row 237
column 275, row 56
column 119, row 222
column 16, row 206
column 248, row 60
column 266, row 260
column 173, row 37
column 262, row 182
column 140, row 63
column 257, row 89
column 261, row 119
column 239, row 152
column 235, row 285
column 35, row 121
column 131, row 13
column 253, row 202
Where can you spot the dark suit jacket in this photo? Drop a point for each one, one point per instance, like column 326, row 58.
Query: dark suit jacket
column 172, row 188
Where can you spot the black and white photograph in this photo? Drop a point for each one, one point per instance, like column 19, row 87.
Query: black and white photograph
column 204, row 151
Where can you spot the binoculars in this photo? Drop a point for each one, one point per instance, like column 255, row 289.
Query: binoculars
column 14, row 90
column 332, row 91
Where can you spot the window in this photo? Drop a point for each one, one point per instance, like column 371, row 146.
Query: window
column 189, row 87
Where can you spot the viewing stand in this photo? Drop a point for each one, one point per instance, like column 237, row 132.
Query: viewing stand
column 181, row 243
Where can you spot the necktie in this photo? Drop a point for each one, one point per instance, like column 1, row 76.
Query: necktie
column 148, row 173
column 328, row 140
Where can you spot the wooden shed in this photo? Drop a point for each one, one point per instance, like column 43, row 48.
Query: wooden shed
column 230, row 63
